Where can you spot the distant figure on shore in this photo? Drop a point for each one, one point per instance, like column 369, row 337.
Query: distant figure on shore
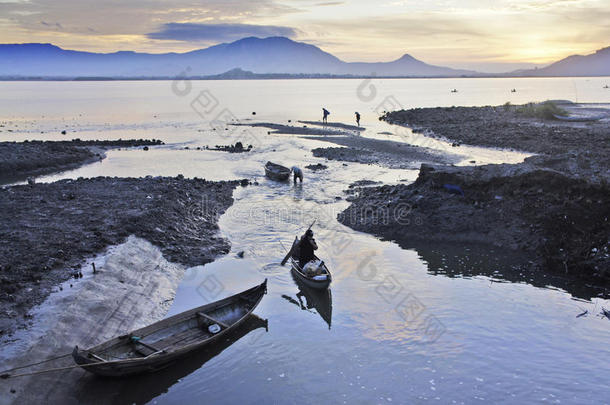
column 357, row 118
column 325, row 114
column 298, row 173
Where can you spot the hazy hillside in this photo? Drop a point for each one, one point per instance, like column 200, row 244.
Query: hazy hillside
column 596, row 64
column 268, row 55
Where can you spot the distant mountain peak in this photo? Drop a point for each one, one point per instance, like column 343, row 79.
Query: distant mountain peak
column 406, row 58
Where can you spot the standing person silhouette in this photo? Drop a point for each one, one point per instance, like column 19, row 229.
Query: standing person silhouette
column 325, row 114
column 358, row 118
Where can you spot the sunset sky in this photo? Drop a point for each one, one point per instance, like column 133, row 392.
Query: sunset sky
column 487, row 35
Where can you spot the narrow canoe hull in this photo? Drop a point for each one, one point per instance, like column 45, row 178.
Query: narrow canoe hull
column 297, row 271
column 156, row 346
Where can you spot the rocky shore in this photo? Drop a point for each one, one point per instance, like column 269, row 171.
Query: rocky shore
column 554, row 207
column 19, row 160
column 354, row 148
column 505, row 127
column 48, row 230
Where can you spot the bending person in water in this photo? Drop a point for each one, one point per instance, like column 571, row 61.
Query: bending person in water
column 307, row 245
column 298, row 173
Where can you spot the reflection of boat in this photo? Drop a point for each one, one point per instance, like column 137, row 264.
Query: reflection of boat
column 150, row 386
column 157, row 345
column 319, row 282
column 276, row 172
column 320, row 300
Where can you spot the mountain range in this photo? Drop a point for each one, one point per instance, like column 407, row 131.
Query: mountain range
column 248, row 57
column 596, row 64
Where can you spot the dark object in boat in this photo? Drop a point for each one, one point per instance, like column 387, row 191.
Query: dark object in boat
column 158, row 345
column 320, row 283
column 276, row 172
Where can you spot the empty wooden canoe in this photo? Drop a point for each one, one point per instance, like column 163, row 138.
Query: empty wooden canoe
column 158, row 345
column 277, row 172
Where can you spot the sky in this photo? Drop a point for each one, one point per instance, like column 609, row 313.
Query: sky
column 486, row 35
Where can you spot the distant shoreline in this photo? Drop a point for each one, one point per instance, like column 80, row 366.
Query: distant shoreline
column 267, row 77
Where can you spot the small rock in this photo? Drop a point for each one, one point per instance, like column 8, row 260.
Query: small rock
column 241, row 254
column 145, row 148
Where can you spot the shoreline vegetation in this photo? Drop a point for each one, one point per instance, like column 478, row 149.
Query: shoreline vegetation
column 554, row 206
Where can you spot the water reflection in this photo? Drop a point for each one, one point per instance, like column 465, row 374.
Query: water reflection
column 308, row 299
column 500, row 266
column 142, row 389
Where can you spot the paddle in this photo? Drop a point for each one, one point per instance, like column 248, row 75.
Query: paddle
column 285, row 259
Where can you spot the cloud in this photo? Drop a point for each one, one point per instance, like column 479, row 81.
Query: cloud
column 195, row 32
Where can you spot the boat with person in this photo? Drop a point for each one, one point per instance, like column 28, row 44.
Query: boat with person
column 160, row 344
column 276, row 172
column 320, row 280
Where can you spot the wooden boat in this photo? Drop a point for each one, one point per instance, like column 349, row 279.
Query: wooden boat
column 304, row 278
column 158, row 345
column 276, row 172
column 149, row 386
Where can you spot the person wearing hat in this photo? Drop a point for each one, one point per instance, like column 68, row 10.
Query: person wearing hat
column 307, row 245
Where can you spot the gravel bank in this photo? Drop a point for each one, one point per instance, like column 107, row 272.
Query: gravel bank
column 50, row 229
column 504, row 127
column 19, row 160
column 560, row 221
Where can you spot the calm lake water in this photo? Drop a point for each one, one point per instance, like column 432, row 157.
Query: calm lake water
column 439, row 324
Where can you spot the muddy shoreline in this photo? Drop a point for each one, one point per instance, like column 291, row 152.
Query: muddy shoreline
column 51, row 229
column 503, row 127
column 553, row 207
column 351, row 147
column 19, row 160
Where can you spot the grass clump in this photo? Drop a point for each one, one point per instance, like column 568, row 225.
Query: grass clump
column 545, row 110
